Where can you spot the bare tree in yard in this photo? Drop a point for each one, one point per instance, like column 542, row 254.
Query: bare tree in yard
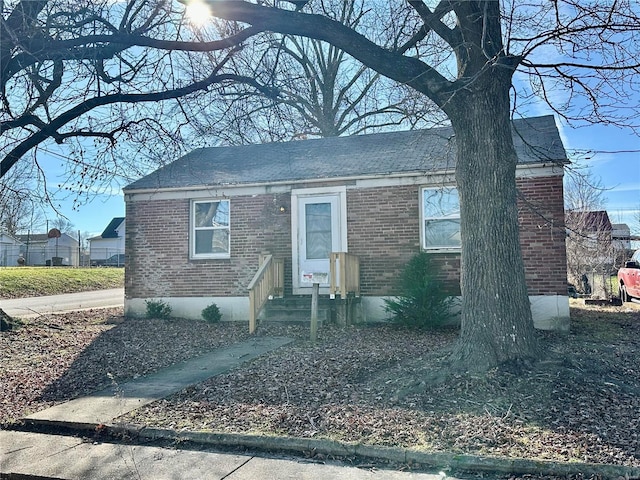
column 92, row 73
column 586, row 48
column 13, row 205
column 321, row 91
column 19, row 206
column 121, row 86
column 461, row 55
column 64, row 225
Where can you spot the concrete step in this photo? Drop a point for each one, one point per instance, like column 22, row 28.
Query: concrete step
column 297, row 309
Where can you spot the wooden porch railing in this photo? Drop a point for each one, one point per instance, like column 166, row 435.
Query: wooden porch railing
column 344, row 274
column 268, row 281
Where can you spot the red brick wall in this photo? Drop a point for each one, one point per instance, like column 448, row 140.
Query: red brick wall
column 375, row 215
column 158, row 231
column 383, row 230
column 542, row 235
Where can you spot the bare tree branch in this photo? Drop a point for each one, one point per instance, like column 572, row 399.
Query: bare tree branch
column 51, row 129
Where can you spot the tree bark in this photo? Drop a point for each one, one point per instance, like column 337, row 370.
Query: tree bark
column 497, row 324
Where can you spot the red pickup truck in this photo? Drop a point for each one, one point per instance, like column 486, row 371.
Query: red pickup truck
column 629, row 278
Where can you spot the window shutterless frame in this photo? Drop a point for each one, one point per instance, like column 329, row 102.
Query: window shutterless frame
column 440, row 218
column 209, row 235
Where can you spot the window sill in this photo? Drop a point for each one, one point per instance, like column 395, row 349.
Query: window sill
column 209, row 257
column 442, row 250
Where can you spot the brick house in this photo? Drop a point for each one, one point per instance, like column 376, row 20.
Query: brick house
column 198, row 227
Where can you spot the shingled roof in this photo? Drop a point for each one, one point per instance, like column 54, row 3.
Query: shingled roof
column 536, row 140
column 591, row 221
column 111, row 230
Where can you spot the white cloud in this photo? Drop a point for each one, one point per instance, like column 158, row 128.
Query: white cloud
column 627, row 187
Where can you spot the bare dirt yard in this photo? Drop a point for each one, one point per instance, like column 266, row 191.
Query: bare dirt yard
column 581, row 403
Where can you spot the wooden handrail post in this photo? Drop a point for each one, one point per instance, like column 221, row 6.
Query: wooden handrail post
column 344, row 274
column 252, row 311
column 314, row 312
column 268, row 281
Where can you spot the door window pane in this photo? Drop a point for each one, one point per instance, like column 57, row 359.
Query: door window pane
column 318, row 230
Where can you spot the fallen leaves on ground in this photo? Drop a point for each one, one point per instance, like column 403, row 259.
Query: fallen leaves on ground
column 58, row 357
column 580, row 403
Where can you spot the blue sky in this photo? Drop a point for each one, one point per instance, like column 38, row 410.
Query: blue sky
column 619, row 173
column 90, row 218
column 616, row 162
column 93, row 218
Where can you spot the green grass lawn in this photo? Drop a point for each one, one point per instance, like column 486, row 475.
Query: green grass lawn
column 16, row 282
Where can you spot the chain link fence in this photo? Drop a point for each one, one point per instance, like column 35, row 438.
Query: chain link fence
column 39, row 255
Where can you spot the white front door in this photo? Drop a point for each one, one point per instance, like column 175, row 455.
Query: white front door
column 320, row 230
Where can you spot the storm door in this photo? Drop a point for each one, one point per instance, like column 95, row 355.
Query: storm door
column 319, row 232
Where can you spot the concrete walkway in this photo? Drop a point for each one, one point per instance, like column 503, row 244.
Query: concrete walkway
column 37, row 455
column 106, row 405
column 34, row 306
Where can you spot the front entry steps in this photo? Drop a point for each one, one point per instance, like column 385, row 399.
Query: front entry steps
column 297, row 309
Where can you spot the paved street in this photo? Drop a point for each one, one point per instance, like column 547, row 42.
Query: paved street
column 34, row 306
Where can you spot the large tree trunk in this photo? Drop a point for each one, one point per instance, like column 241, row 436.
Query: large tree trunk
column 497, row 325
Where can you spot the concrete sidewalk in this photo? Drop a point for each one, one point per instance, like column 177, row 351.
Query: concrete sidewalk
column 72, row 458
column 106, row 405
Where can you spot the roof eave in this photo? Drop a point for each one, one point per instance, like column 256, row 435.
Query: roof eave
column 126, row 191
column 287, row 182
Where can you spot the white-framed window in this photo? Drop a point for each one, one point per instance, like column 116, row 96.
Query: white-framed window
column 210, row 229
column 440, row 211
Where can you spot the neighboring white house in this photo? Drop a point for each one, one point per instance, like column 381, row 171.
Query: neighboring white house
column 10, row 249
column 41, row 249
column 110, row 243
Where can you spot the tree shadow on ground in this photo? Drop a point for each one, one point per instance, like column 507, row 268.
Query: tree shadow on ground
column 579, row 403
column 58, row 357
column 134, row 347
